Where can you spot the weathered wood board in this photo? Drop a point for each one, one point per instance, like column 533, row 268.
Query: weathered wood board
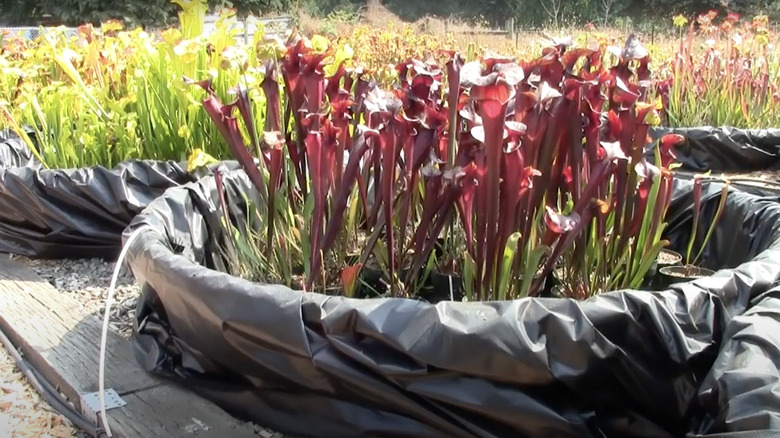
column 62, row 341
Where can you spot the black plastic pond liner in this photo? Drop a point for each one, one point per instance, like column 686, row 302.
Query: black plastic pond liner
column 13, row 151
column 75, row 213
column 622, row 364
column 746, row 374
column 725, row 149
column 52, row 213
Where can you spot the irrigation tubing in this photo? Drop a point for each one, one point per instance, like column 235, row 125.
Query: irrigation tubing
column 743, row 181
column 104, row 334
column 48, row 392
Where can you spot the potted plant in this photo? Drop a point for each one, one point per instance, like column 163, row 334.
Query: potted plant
column 664, row 157
column 691, row 270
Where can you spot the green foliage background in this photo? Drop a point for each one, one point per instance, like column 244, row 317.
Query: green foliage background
column 528, row 13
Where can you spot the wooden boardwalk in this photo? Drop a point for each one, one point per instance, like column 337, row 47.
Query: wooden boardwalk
column 62, row 341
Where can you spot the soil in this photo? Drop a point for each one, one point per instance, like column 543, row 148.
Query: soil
column 689, row 272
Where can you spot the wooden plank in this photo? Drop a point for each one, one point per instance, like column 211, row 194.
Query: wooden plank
column 185, row 415
column 63, row 334
column 62, row 341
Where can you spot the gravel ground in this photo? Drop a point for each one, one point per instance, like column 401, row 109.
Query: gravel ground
column 88, row 280
column 22, row 411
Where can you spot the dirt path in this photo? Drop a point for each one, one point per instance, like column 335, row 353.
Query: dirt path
column 22, row 411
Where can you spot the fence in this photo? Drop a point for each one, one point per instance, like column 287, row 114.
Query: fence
column 508, row 31
column 31, row 33
column 274, row 27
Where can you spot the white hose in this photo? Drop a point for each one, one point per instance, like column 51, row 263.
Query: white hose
column 104, row 335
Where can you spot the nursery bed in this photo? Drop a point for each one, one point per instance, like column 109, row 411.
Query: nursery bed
column 58, row 331
column 660, row 361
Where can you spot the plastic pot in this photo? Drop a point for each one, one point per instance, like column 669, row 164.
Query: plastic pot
column 670, row 275
column 665, row 258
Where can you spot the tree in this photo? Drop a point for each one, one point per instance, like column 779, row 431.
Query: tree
column 607, row 7
column 553, row 9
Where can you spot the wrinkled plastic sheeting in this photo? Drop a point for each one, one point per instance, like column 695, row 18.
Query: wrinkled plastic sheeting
column 52, row 213
column 724, row 149
column 627, row 363
column 13, row 151
column 740, row 393
column 76, row 213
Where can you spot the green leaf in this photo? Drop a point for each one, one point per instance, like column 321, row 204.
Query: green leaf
column 506, row 264
column 343, row 54
column 469, row 269
column 308, row 207
column 531, row 267
column 647, row 261
column 381, row 256
column 718, row 213
column 352, row 210
column 198, row 159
